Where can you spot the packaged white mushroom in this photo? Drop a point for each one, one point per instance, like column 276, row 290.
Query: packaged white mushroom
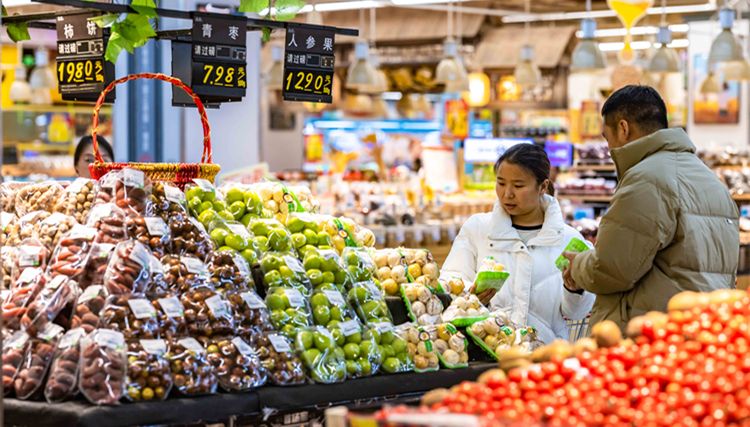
column 420, row 345
column 423, row 306
column 277, row 199
column 465, row 311
column 451, row 346
column 306, row 199
column 421, row 268
column 344, row 232
column 391, row 270
column 455, row 286
column 493, row 335
column 529, row 338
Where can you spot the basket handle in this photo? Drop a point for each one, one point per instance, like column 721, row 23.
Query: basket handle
column 206, row 158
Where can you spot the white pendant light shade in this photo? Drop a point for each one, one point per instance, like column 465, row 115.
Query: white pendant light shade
column 361, row 75
column 275, row 75
column 711, row 84
column 737, row 71
column 20, row 91
column 381, row 81
column 449, row 70
column 587, row 55
column 665, row 60
column 725, row 47
column 526, row 72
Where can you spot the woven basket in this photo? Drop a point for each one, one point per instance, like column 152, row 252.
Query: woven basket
column 178, row 174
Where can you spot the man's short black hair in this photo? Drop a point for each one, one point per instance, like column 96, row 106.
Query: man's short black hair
column 638, row 105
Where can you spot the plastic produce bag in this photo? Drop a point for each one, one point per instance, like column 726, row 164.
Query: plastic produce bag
column 7, row 223
column 423, row 306
column 205, row 203
column 271, row 235
column 37, row 197
column 329, row 308
column 72, row 253
column 8, row 192
column 149, row 377
column 132, row 191
column 344, row 233
column 109, row 220
column 106, row 188
column 451, row 346
column 192, row 374
column 284, row 269
column 152, row 232
column 251, row 206
column 278, row 358
column 7, row 253
column 391, row 270
column 420, row 345
column 325, row 271
column 23, row 291
column 89, row 307
column 251, row 316
column 26, row 227
column 63, row 377
column 14, row 350
column 229, row 271
column 77, row 199
column 50, row 301
column 171, row 316
column 277, row 199
column 159, row 285
column 132, row 315
column 465, row 311
column 322, row 358
column 96, row 266
column 232, row 236
column 491, row 275
column 493, row 335
column 37, row 360
column 576, row 246
column 184, row 273
column 103, row 366
column 421, row 268
column 289, row 310
column 236, row 364
column 306, row 234
column 396, row 357
column 455, row 286
column 368, row 303
column 30, row 254
column 129, row 269
column 51, row 229
column 362, row 355
column 528, row 338
column 360, row 265
column 166, row 202
column 189, row 237
column 207, row 314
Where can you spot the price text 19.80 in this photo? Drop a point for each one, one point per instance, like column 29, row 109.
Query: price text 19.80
column 69, row 72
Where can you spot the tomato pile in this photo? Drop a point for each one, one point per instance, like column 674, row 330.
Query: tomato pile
column 690, row 367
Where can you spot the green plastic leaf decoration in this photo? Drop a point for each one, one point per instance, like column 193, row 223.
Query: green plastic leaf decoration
column 18, row 31
column 266, row 34
column 105, row 20
column 253, row 6
column 145, row 8
column 5, row 12
column 288, row 9
column 114, row 47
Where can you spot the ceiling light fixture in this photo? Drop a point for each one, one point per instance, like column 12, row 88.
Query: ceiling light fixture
column 710, row 84
column 361, row 75
column 665, row 60
column 636, row 31
column 587, row 55
column 527, row 73
column 571, row 16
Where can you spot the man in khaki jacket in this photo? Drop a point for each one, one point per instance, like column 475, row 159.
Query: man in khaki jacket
column 672, row 225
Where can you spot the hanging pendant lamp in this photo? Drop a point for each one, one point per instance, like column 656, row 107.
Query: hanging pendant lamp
column 587, row 55
column 710, row 84
column 449, row 69
column 665, row 60
column 725, row 47
column 527, row 73
column 361, row 76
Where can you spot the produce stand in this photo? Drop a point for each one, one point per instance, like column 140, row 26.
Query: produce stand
column 249, row 406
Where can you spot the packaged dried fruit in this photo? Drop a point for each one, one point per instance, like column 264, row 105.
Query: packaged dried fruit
column 166, row 202
column 149, row 376
column 23, row 291
column 96, row 266
column 207, row 314
column 8, row 192
column 189, row 237
column 152, row 232
column 63, row 377
column 171, row 316
column 229, row 271
column 329, row 308
column 103, row 366
column 278, row 358
column 159, row 285
column 131, row 191
column 77, row 199
column 7, row 253
column 423, row 306
column 368, row 303
column 251, row 316
column 129, row 269
column 89, row 307
column 362, row 355
column 14, row 350
column 289, row 310
column 465, row 311
column 132, row 315
column 236, row 364
column 283, row 269
column 37, row 360
column 192, row 375
column 109, row 221
column 360, row 265
column 37, row 197
column 321, row 356
column 205, row 203
column 72, row 253
column 184, row 273
column 30, row 254
column 396, row 357
column 57, row 293
column 7, row 223
column 420, row 345
column 326, row 271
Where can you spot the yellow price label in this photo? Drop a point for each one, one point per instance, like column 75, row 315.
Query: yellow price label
column 82, row 71
column 317, row 82
column 224, row 75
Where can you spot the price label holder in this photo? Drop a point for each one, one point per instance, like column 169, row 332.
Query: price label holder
column 214, row 60
column 82, row 72
column 308, row 63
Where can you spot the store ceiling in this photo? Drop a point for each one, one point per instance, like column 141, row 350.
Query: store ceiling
column 500, row 47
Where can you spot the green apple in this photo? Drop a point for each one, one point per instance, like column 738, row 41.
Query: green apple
column 220, row 205
column 194, row 193
column 259, row 228
column 365, row 367
column 355, row 338
column 218, row 236
column 322, row 315
column 329, row 265
column 353, row 368
column 337, row 334
column 337, row 314
column 372, row 335
column 326, row 287
column 275, row 302
column 235, row 195
column 352, row 259
column 312, row 261
column 338, row 352
column 235, row 241
column 237, row 209
column 288, row 331
column 261, row 244
column 315, row 276
column 399, row 346
column 322, row 342
column 328, row 277
column 311, row 237
column 226, row 215
column 253, row 202
column 351, row 351
column 270, row 262
column 391, row 365
column 280, row 240
column 295, row 225
column 386, row 338
column 368, row 349
column 209, row 196
column 323, row 239
column 304, row 340
column 309, row 357
column 207, row 216
column 250, row 256
column 272, row 278
column 298, row 239
column 247, row 218
column 387, row 351
column 320, row 299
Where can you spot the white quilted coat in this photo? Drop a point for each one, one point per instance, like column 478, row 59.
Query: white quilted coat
column 542, row 304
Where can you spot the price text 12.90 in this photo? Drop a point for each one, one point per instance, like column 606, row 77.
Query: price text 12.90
column 308, row 81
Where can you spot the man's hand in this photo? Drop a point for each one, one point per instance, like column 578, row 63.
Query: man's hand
column 485, row 296
column 567, row 274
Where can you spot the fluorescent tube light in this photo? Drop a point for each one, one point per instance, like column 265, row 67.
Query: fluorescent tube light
column 605, row 13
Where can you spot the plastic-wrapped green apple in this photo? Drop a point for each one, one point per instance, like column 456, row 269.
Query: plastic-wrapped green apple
column 260, row 244
column 322, row 342
column 387, row 350
column 368, row 349
column 338, row 336
column 286, row 271
column 220, row 205
column 306, row 249
column 226, row 248
column 295, row 225
column 391, row 365
column 237, row 209
column 315, row 276
column 236, row 242
column 371, row 309
column 325, row 286
column 322, row 315
column 275, row 302
column 339, row 352
column 304, row 340
column 351, row 351
column 365, row 367
column 235, row 195
column 250, row 256
column 399, row 345
column 328, row 277
column 279, row 240
column 270, row 262
column 298, row 239
column 310, row 356
column 332, row 323
column 194, row 205
column 272, row 278
column 266, row 214
column 247, row 218
column 207, row 216
column 209, row 196
column 353, row 368
column 404, row 359
column 359, row 294
column 372, row 335
column 218, row 236
column 355, row 338
column 225, row 215
column 320, row 299
column 194, row 193
column 352, row 258
column 387, row 338
column 259, row 228
column 337, row 314
column 312, row 261
column 298, row 319
column 328, row 264
column 323, row 239
column 311, row 237
column 288, row 331
column 253, row 202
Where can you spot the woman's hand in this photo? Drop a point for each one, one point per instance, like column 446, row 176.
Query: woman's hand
column 484, row 297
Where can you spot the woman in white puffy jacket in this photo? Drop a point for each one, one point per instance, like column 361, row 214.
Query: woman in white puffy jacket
column 526, row 233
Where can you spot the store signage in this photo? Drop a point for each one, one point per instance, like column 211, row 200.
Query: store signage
column 457, row 118
column 560, row 153
column 479, row 150
column 308, row 64
column 82, row 71
column 219, row 55
column 591, row 120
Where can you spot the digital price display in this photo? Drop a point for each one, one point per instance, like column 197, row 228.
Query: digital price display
column 308, row 64
column 221, row 75
column 82, row 72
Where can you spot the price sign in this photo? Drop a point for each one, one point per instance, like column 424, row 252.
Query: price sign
column 82, row 71
column 220, row 75
column 308, row 64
